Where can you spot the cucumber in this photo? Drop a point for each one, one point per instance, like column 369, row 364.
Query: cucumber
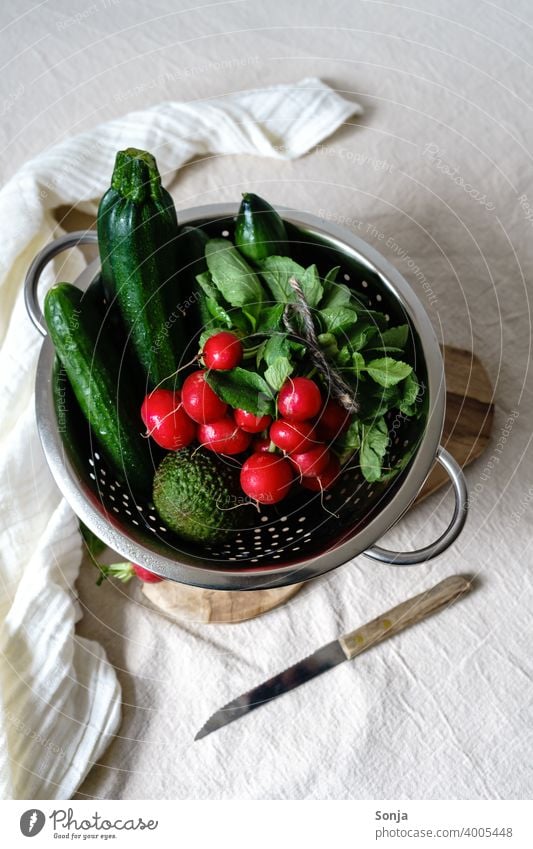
column 259, row 231
column 137, row 238
column 92, row 366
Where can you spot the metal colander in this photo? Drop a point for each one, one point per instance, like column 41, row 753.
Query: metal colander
column 308, row 533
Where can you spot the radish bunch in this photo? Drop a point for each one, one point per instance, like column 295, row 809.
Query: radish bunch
column 292, row 447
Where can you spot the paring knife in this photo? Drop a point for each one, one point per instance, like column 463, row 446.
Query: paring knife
column 345, row 648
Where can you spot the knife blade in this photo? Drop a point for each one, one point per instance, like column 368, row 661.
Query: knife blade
column 345, row 648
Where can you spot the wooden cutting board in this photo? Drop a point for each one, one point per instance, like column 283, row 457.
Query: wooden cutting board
column 467, row 430
column 469, row 413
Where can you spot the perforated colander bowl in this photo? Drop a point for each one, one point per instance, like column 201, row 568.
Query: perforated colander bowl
column 305, row 535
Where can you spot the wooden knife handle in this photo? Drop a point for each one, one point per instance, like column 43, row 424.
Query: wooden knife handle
column 407, row 613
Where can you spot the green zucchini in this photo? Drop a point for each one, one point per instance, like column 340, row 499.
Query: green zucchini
column 137, row 238
column 191, row 249
column 92, row 366
column 259, row 230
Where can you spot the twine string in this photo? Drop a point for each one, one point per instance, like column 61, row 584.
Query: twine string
column 339, row 389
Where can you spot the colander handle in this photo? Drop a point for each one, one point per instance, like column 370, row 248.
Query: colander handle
column 410, row 558
column 31, row 283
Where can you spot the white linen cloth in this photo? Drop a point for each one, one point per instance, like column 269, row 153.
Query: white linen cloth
column 59, row 696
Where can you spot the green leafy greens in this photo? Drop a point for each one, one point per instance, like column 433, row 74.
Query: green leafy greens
column 359, row 342
column 243, row 389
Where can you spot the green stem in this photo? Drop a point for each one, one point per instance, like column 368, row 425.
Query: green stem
column 135, row 176
column 250, row 353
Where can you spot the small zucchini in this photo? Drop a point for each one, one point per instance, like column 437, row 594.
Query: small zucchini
column 259, row 230
column 137, row 238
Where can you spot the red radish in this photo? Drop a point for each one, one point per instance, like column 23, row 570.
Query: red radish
column 166, row 421
column 333, row 420
column 222, row 351
column 299, row 399
column 249, row 422
column 325, row 479
column 199, row 400
column 266, row 478
column 125, row 571
column 145, row 575
column 261, row 446
column 292, row 436
column 311, row 463
column 223, row 437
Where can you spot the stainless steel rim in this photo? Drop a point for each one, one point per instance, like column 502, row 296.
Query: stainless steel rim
column 187, row 570
column 69, row 240
column 410, row 558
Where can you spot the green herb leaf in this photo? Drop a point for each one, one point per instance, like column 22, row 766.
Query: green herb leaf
column 232, row 275
column 277, row 346
column 410, row 389
column 277, row 357
column 358, row 363
column 260, row 352
column 338, row 296
column 371, row 403
column 277, row 271
column 311, row 285
column 297, row 348
column 243, row 389
column 388, row 372
column 373, row 318
column 278, row 372
column 385, row 349
column 206, row 284
column 374, row 442
column 218, row 312
column 241, row 320
column 338, row 318
column 391, row 341
column 350, row 441
column 376, row 400
column 212, row 301
column 251, row 318
column 329, row 279
column 361, row 335
column 401, row 464
column 270, row 318
column 388, row 397
column 394, row 337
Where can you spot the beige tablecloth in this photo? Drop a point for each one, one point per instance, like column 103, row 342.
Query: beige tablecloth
column 437, row 175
